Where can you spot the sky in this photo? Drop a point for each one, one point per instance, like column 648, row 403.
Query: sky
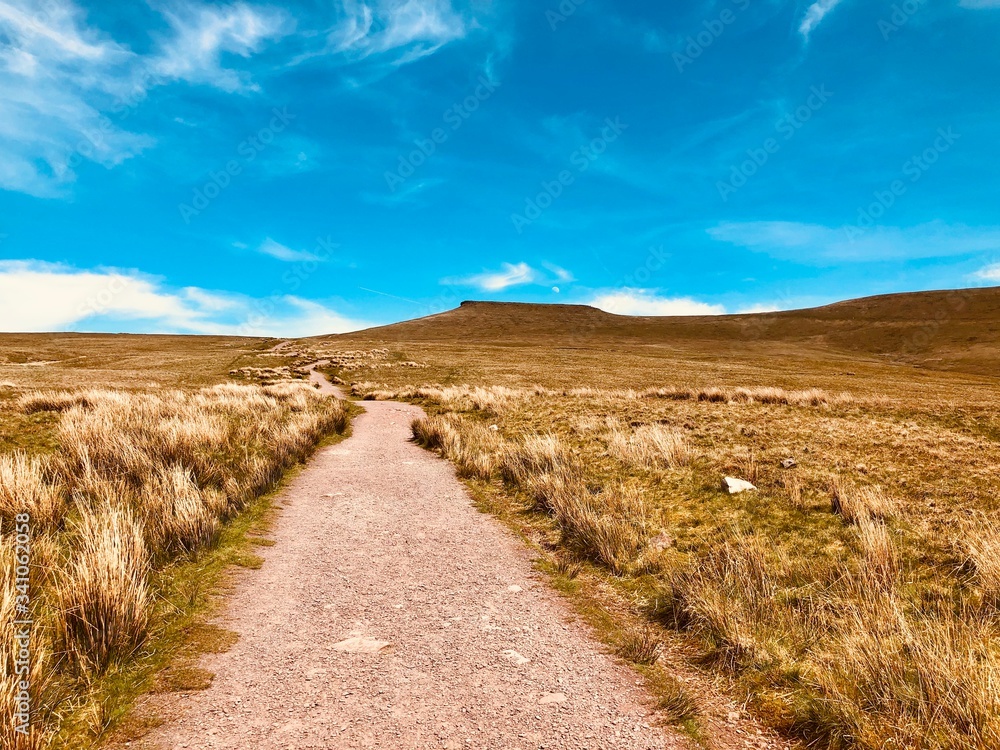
column 321, row 166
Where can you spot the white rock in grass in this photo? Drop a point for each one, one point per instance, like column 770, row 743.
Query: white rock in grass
column 735, row 486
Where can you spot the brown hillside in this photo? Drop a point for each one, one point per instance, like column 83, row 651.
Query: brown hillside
column 955, row 330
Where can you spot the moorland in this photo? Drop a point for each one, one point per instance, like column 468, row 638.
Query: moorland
column 851, row 599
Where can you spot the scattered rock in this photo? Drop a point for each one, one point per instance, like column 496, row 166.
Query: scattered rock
column 494, row 428
column 734, row 486
column 515, row 658
column 733, row 717
column 662, row 541
column 515, row 589
column 359, row 645
column 552, row 698
column 789, row 463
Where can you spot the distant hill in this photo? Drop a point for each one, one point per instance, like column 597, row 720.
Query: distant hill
column 953, row 330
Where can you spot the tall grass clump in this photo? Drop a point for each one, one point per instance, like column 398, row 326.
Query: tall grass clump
column 532, row 456
column 649, row 447
column 980, row 547
column 103, row 594
column 29, row 485
column 474, row 448
column 857, row 503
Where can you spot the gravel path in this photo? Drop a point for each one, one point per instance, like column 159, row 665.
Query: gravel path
column 378, row 543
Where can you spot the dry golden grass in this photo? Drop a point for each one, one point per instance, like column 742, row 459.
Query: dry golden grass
column 640, row 645
column 858, row 503
column 649, row 447
column 26, row 486
column 140, row 480
column 103, row 602
column 980, row 546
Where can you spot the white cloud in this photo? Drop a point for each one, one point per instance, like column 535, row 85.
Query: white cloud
column 413, row 28
column 758, row 308
column 282, row 252
column 64, row 84
column 815, row 15
column 820, row 245
column 202, row 34
column 645, row 302
column 561, row 274
column 56, row 75
column 990, row 273
column 512, row 274
column 36, row 296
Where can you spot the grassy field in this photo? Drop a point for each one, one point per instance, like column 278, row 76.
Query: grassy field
column 851, row 600
column 126, row 463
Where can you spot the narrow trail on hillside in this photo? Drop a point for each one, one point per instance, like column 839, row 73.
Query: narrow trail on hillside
column 392, row 614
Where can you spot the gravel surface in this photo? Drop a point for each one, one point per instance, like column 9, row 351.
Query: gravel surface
column 391, row 614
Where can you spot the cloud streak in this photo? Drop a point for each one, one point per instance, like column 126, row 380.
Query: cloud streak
column 281, row 252
column 815, row 244
column 410, row 29
column 58, row 76
column 511, row 274
column 814, row 16
column 202, row 34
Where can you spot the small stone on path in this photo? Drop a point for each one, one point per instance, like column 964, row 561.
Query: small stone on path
column 359, row 645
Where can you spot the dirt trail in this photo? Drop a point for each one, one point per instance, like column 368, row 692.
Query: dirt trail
column 379, row 543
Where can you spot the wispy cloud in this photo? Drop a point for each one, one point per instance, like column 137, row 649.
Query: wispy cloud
column 814, row 16
column 646, row 302
column 282, row 252
column 410, row 29
column 990, row 273
column 821, row 245
column 37, row 296
column 561, row 274
column 202, row 34
column 55, row 75
column 511, row 274
column 62, row 80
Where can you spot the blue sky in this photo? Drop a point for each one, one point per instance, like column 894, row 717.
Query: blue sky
column 316, row 167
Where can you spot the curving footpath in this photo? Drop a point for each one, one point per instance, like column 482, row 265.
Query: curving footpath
column 391, row 614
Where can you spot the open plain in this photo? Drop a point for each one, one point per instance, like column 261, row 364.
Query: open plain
column 850, row 599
